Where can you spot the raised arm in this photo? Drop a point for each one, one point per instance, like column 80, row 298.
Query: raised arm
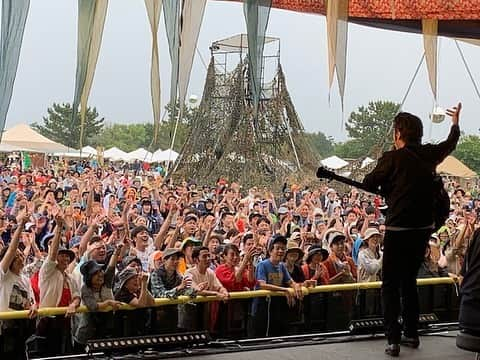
column 12, row 248
column 87, row 236
column 162, row 233
column 90, row 198
column 114, row 258
column 441, row 150
column 53, row 249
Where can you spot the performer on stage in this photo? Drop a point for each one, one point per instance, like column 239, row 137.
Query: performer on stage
column 405, row 177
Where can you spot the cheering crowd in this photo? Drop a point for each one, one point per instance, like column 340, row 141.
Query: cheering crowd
column 103, row 238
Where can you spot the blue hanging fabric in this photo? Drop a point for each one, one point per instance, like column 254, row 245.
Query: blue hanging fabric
column 14, row 17
column 256, row 14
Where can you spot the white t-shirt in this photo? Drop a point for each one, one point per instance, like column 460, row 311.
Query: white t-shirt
column 144, row 256
column 15, row 292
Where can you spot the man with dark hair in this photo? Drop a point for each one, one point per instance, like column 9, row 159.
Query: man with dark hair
column 404, row 176
column 268, row 316
column 204, row 282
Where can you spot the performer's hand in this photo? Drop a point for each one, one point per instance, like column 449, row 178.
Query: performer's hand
column 455, row 113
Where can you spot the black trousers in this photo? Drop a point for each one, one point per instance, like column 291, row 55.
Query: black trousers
column 271, row 317
column 403, row 253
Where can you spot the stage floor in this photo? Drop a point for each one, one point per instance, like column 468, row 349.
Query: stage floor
column 437, row 346
column 433, row 347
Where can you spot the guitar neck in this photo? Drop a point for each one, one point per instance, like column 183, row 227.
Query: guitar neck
column 350, row 182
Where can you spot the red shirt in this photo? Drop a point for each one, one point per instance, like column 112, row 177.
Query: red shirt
column 35, row 287
column 323, row 280
column 226, row 275
column 66, row 298
column 330, row 265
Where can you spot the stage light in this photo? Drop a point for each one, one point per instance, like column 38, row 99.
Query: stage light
column 155, row 341
column 375, row 325
column 366, row 326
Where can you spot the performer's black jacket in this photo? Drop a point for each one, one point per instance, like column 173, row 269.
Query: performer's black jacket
column 405, row 180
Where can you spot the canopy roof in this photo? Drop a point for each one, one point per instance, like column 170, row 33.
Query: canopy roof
column 367, row 161
column 334, row 162
column 456, row 18
column 454, row 167
column 140, row 154
column 72, row 154
column 115, row 153
column 11, row 148
column 166, row 155
column 89, row 150
column 237, row 42
column 24, row 137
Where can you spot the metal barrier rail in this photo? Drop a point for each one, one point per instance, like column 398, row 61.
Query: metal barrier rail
column 52, row 311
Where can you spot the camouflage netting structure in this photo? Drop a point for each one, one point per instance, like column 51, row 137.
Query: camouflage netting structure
column 228, row 140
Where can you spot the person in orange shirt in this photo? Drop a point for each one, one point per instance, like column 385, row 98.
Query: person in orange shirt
column 341, row 268
column 314, row 269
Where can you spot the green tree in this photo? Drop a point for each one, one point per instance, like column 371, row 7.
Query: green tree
column 127, row 137
column 468, row 151
column 369, row 126
column 322, row 144
column 59, row 126
column 350, row 149
column 167, row 127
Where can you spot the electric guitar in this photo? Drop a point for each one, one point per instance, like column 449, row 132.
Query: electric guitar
column 441, row 201
column 323, row 173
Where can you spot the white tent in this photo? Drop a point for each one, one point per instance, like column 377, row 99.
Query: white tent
column 166, row 155
column 11, row 148
column 156, row 155
column 140, row 154
column 89, row 150
column 23, row 136
column 116, row 154
column 334, row 162
column 367, row 161
column 71, row 154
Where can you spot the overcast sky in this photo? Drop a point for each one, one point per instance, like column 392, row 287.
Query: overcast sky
column 380, row 65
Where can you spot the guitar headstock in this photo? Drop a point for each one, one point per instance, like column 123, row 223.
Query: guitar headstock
column 323, row 173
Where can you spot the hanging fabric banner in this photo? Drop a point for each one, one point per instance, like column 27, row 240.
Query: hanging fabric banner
column 171, row 13
column 337, row 34
column 192, row 17
column 430, row 40
column 256, row 14
column 154, row 8
column 14, row 17
column 183, row 23
column 91, row 21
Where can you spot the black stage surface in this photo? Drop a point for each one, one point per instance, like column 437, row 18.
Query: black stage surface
column 434, row 346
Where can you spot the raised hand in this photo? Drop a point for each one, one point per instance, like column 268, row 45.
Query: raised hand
column 23, row 217
column 58, row 215
column 454, row 113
